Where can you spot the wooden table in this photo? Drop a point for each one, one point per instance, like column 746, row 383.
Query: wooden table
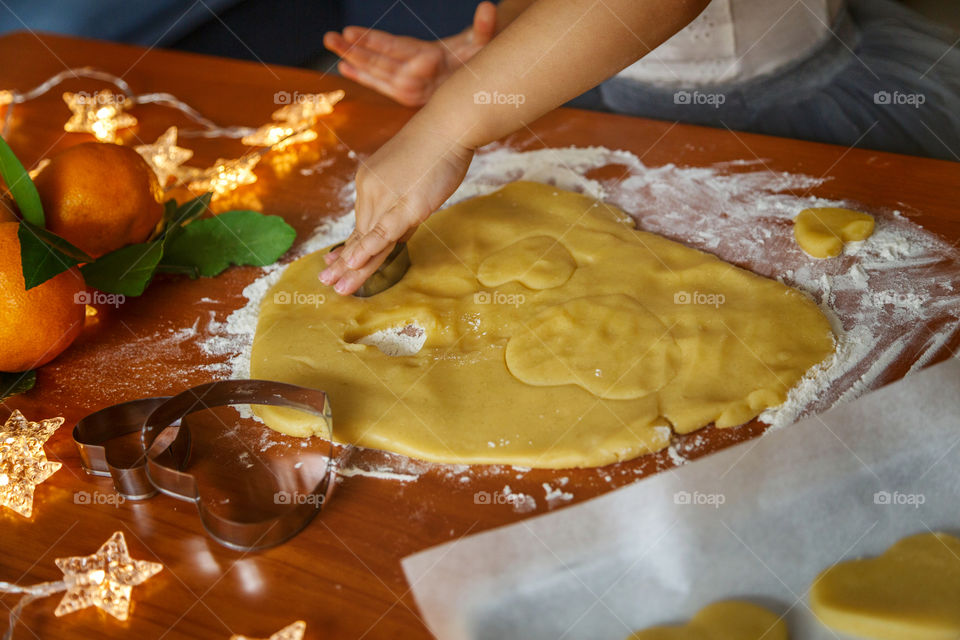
column 342, row 575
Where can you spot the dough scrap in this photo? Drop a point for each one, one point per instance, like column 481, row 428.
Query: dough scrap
column 822, row 232
column 732, row 343
column 725, row 620
column 910, row 592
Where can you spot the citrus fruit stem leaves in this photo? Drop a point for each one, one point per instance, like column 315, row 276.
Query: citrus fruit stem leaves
column 236, row 237
column 21, row 186
column 201, row 248
column 12, row 384
column 44, row 254
column 126, row 271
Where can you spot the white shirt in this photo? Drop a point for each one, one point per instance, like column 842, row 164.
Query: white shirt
column 736, row 40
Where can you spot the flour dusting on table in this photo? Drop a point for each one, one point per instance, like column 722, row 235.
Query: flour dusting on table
column 880, row 294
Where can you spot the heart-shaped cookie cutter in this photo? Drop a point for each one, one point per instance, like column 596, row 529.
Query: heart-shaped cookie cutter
column 166, row 448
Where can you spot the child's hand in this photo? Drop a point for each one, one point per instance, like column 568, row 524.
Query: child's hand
column 407, row 69
column 398, row 187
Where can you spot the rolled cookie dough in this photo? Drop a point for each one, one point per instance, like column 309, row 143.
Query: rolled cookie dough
column 557, row 336
column 823, row 232
column 726, row 620
column 910, row 592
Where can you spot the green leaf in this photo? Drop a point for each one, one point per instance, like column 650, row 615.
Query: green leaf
column 44, row 255
column 231, row 238
column 12, row 384
column 20, row 185
column 175, row 217
column 126, row 271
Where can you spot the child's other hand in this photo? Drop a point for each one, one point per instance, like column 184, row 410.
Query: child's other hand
column 405, row 69
column 398, row 187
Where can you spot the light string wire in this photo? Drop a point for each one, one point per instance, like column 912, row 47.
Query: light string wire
column 210, row 129
column 31, row 593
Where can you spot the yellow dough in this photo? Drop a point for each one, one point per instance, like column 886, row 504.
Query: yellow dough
column 557, row 336
column 823, row 232
column 911, row 592
column 727, row 620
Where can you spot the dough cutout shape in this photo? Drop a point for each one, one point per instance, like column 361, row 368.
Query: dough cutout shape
column 537, row 262
column 725, row 620
column 598, row 343
column 822, row 232
column 580, row 342
column 910, row 592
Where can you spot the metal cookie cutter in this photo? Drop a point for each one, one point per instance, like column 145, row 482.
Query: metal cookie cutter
column 166, row 447
column 389, row 273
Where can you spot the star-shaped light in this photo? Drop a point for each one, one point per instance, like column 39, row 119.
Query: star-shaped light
column 292, row 123
column 279, row 135
column 227, row 175
column 102, row 114
column 6, row 97
column 164, row 156
column 23, row 463
column 294, row 631
column 103, row 580
column 308, row 108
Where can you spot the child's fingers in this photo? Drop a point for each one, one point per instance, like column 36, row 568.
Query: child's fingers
column 371, row 62
column 484, row 23
column 398, row 47
column 351, row 280
column 331, row 256
column 384, row 234
column 335, row 42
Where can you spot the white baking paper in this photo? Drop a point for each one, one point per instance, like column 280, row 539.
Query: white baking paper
column 757, row 521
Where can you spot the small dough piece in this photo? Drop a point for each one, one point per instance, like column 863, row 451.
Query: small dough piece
column 911, row 592
column 725, row 620
column 581, row 342
column 537, row 262
column 822, row 232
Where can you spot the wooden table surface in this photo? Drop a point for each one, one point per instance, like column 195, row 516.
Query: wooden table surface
column 342, row 574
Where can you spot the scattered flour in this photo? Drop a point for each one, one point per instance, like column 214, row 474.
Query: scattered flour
column 522, row 503
column 556, row 495
column 880, row 294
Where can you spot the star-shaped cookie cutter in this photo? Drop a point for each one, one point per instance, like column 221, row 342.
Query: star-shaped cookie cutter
column 166, row 449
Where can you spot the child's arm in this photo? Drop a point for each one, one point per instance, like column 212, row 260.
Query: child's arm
column 552, row 52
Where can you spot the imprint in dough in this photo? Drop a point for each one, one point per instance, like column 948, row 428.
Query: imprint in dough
column 581, row 342
column 823, row 232
column 537, row 262
column 645, row 334
column 726, row 620
column 910, row 592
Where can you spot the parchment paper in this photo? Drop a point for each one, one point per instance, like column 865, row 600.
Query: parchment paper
column 758, row 521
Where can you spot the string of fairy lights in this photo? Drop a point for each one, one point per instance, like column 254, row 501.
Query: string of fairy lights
column 106, row 579
column 106, row 113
